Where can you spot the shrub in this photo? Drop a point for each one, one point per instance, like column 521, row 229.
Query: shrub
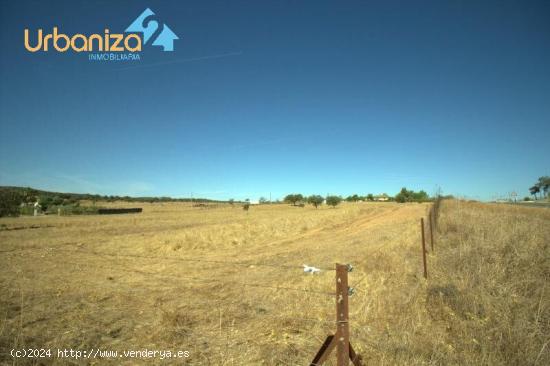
column 9, row 203
column 26, row 210
column 411, row 196
column 333, row 200
column 45, row 201
column 74, row 209
column 315, row 200
column 294, row 198
column 353, row 198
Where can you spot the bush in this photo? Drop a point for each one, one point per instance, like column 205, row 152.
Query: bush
column 9, row 203
column 411, row 196
column 333, row 200
column 315, row 200
column 26, row 210
column 353, row 198
column 45, row 201
column 294, row 198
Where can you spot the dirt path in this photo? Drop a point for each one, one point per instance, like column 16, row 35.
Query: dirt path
column 368, row 225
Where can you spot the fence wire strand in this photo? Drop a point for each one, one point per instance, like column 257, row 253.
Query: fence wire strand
column 212, row 261
column 247, row 284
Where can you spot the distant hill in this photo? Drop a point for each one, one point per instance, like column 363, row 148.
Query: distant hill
column 29, row 194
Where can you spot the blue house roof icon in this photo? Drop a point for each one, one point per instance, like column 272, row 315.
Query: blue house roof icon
column 165, row 39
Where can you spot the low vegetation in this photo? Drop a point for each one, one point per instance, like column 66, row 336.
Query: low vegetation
column 294, row 198
column 488, row 296
column 315, row 200
column 333, row 200
column 411, row 196
column 9, row 203
column 15, row 201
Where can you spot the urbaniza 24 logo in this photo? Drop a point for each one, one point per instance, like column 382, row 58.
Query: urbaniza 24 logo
column 147, row 30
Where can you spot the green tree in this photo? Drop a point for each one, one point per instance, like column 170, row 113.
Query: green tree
column 262, row 200
column 411, row 196
column 289, row 198
column 45, row 201
column 544, row 185
column 294, row 198
column 333, row 200
column 353, row 198
column 315, row 200
column 29, row 195
column 57, row 201
column 534, row 190
column 403, row 196
column 420, row 196
column 370, row 197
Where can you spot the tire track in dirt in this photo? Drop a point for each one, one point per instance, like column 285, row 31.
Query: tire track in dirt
column 340, row 232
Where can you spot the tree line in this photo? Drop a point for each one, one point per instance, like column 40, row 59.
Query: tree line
column 297, row 199
column 17, row 200
column 405, row 195
column 541, row 187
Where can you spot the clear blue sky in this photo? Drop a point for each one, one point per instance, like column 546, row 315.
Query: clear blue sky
column 282, row 96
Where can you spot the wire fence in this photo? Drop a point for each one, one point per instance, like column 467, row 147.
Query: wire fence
column 202, row 279
column 237, row 313
column 226, row 301
column 79, row 246
column 432, row 224
column 259, row 311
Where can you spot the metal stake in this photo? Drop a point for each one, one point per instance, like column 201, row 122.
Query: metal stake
column 342, row 315
column 340, row 340
column 423, row 248
column 430, row 217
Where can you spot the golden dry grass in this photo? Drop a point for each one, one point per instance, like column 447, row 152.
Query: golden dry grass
column 115, row 282
column 490, row 287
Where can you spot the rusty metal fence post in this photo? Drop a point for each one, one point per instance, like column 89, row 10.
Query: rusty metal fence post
column 342, row 315
column 423, row 248
column 340, row 339
column 430, row 217
column 435, row 210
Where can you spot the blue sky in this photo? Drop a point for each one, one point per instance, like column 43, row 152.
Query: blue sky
column 263, row 97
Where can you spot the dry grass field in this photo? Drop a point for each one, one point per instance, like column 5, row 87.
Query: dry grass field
column 156, row 281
